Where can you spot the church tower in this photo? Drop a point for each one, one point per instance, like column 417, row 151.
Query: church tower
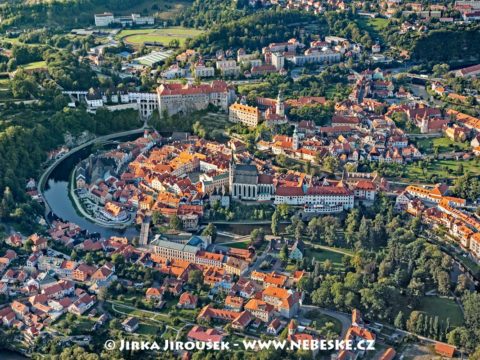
column 280, row 107
column 231, row 173
column 424, row 126
column 295, row 139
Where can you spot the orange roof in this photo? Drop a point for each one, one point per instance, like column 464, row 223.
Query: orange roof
column 444, row 349
column 187, row 298
column 276, row 292
column 356, row 331
column 245, row 108
column 234, row 301
column 258, row 305
column 153, row 292
column 389, row 354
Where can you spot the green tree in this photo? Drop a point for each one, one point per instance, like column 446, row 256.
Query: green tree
column 175, row 223
column 275, row 222
column 210, row 230
column 399, row 320
column 284, row 253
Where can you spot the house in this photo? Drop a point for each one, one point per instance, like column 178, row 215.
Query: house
column 285, row 302
column 260, row 309
column 235, row 266
column 83, row 272
column 19, row 309
column 187, row 301
column 14, row 240
column 82, row 304
column 242, row 321
column 130, row 324
column 38, row 242
column 103, row 274
column 296, row 251
column 295, row 335
column 199, row 333
column 153, row 293
column 274, row 327
column 234, row 303
column 443, row 349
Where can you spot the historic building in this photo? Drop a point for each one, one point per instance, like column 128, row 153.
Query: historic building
column 175, row 98
column 245, row 183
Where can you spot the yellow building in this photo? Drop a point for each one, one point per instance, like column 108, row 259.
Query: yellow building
column 247, row 115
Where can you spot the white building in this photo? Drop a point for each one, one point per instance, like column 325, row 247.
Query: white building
column 104, row 19
column 316, row 56
column 147, row 102
column 202, row 71
column 278, row 60
column 228, row 67
column 329, row 196
column 173, row 72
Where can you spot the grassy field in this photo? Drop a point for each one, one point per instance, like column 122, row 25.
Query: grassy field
column 446, row 169
column 373, row 26
column 238, row 245
column 322, row 255
column 35, row 65
column 140, row 36
column 444, row 144
column 443, row 308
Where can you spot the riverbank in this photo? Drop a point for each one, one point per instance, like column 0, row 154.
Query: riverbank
column 54, row 185
column 79, row 207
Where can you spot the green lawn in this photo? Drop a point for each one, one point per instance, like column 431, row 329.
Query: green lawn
column 238, row 245
column 147, row 329
column 444, row 144
column 35, row 65
column 139, row 36
column 323, row 254
column 443, row 308
column 373, row 26
column 443, row 169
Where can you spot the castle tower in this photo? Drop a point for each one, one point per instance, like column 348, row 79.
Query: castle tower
column 295, row 139
column 280, row 107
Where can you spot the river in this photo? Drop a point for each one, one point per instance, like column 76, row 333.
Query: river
column 56, row 194
column 10, row 355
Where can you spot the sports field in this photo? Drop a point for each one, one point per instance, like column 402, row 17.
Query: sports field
column 164, row 36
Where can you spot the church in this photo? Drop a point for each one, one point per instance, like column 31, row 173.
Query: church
column 245, row 183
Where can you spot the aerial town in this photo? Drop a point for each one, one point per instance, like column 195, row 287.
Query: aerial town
column 250, row 179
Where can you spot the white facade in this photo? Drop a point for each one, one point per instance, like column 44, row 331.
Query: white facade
column 228, row 67
column 327, row 56
column 147, row 102
column 104, row 19
column 278, row 60
column 204, row 71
